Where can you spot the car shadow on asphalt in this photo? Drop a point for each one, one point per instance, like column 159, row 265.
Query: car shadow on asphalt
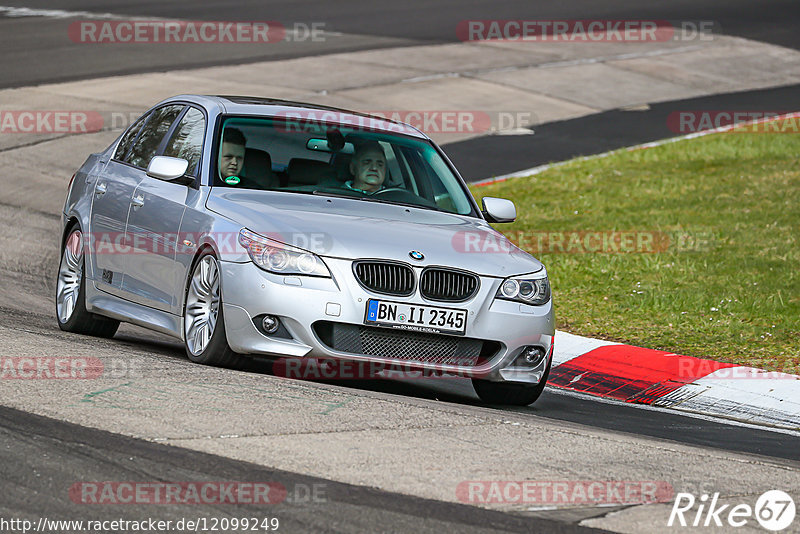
column 444, row 389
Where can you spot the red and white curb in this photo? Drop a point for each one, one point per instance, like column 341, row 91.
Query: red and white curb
column 662, row 379
column 667, row 380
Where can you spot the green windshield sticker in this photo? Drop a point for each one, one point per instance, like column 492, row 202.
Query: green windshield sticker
column 232, row 180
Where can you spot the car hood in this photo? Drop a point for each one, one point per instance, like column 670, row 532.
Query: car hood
column 352, row 229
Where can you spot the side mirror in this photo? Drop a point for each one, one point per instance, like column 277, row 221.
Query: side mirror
column 167, row 168
column 498, row 210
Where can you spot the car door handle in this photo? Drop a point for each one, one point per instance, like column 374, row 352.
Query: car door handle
column 137, row 202
column 100, row 188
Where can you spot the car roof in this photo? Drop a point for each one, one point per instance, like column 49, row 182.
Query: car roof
column 260, row 106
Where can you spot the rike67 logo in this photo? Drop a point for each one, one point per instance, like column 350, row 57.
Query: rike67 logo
column 774, row 510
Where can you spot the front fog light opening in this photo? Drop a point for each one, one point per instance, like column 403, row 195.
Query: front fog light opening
column 531, row 356
column 271, row 325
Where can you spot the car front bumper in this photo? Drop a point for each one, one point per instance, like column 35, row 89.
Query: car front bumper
column 300, row 302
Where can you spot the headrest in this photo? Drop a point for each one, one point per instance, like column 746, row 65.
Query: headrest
column 307, row 171
column 257, row 163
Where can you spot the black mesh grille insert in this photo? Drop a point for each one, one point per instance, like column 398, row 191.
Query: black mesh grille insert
column 385, row 277
column 404, row 345
column 447, row 285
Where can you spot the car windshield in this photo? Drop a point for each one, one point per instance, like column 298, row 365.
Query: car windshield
column 339, row 160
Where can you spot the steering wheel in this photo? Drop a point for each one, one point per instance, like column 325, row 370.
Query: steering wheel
column 390, row 189
column 401, row 194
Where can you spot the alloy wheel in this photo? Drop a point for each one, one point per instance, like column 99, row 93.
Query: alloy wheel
column 70, row 273
column 202, row 305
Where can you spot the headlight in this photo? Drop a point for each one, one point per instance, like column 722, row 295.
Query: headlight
column 276, row 257
column 533, row 291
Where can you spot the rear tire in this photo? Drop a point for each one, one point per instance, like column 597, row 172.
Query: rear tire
column 71, row 312
column 203, row 320
column 510, row 393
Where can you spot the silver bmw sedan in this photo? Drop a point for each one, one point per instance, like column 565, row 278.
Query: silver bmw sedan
column 249, row 226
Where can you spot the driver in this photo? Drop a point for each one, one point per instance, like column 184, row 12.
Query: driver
column 368, row 167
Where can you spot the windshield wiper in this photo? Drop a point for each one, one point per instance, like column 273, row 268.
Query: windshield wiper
column 369, row 198
column 396, row 203
column 324, row 193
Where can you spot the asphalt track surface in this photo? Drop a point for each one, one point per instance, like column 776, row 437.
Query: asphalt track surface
column 484, row 157
column 40, row 456
column 670, row 426
column 552, row 405
column 43, row 457
column 38, row 50
column 772, row 21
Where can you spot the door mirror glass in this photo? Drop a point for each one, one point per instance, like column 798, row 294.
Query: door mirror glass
column 499, row 210
column 167, row 168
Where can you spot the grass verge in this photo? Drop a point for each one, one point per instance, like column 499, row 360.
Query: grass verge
column 689, row 247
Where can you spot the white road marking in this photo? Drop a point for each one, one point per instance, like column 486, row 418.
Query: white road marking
column 18, row 12
column 292, row 32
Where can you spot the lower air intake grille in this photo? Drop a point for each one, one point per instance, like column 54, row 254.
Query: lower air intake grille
column 403, row 345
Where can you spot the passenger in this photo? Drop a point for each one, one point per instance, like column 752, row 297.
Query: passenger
column 368, row 167
column 231, row 158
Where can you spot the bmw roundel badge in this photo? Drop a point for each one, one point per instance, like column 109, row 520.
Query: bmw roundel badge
column 417, row 255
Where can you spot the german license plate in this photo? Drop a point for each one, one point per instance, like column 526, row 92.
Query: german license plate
column 405, row 316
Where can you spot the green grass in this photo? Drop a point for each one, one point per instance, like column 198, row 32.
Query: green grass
column 730, row 291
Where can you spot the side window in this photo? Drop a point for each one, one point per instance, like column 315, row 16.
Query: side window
column 153, row 132
column 127, row 139
column 187, row 140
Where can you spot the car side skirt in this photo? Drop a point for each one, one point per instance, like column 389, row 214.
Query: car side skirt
column 102, row 303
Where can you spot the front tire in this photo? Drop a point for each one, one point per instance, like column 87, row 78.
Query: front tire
column 510, row 393
column 71, row 311
column 203, row 320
